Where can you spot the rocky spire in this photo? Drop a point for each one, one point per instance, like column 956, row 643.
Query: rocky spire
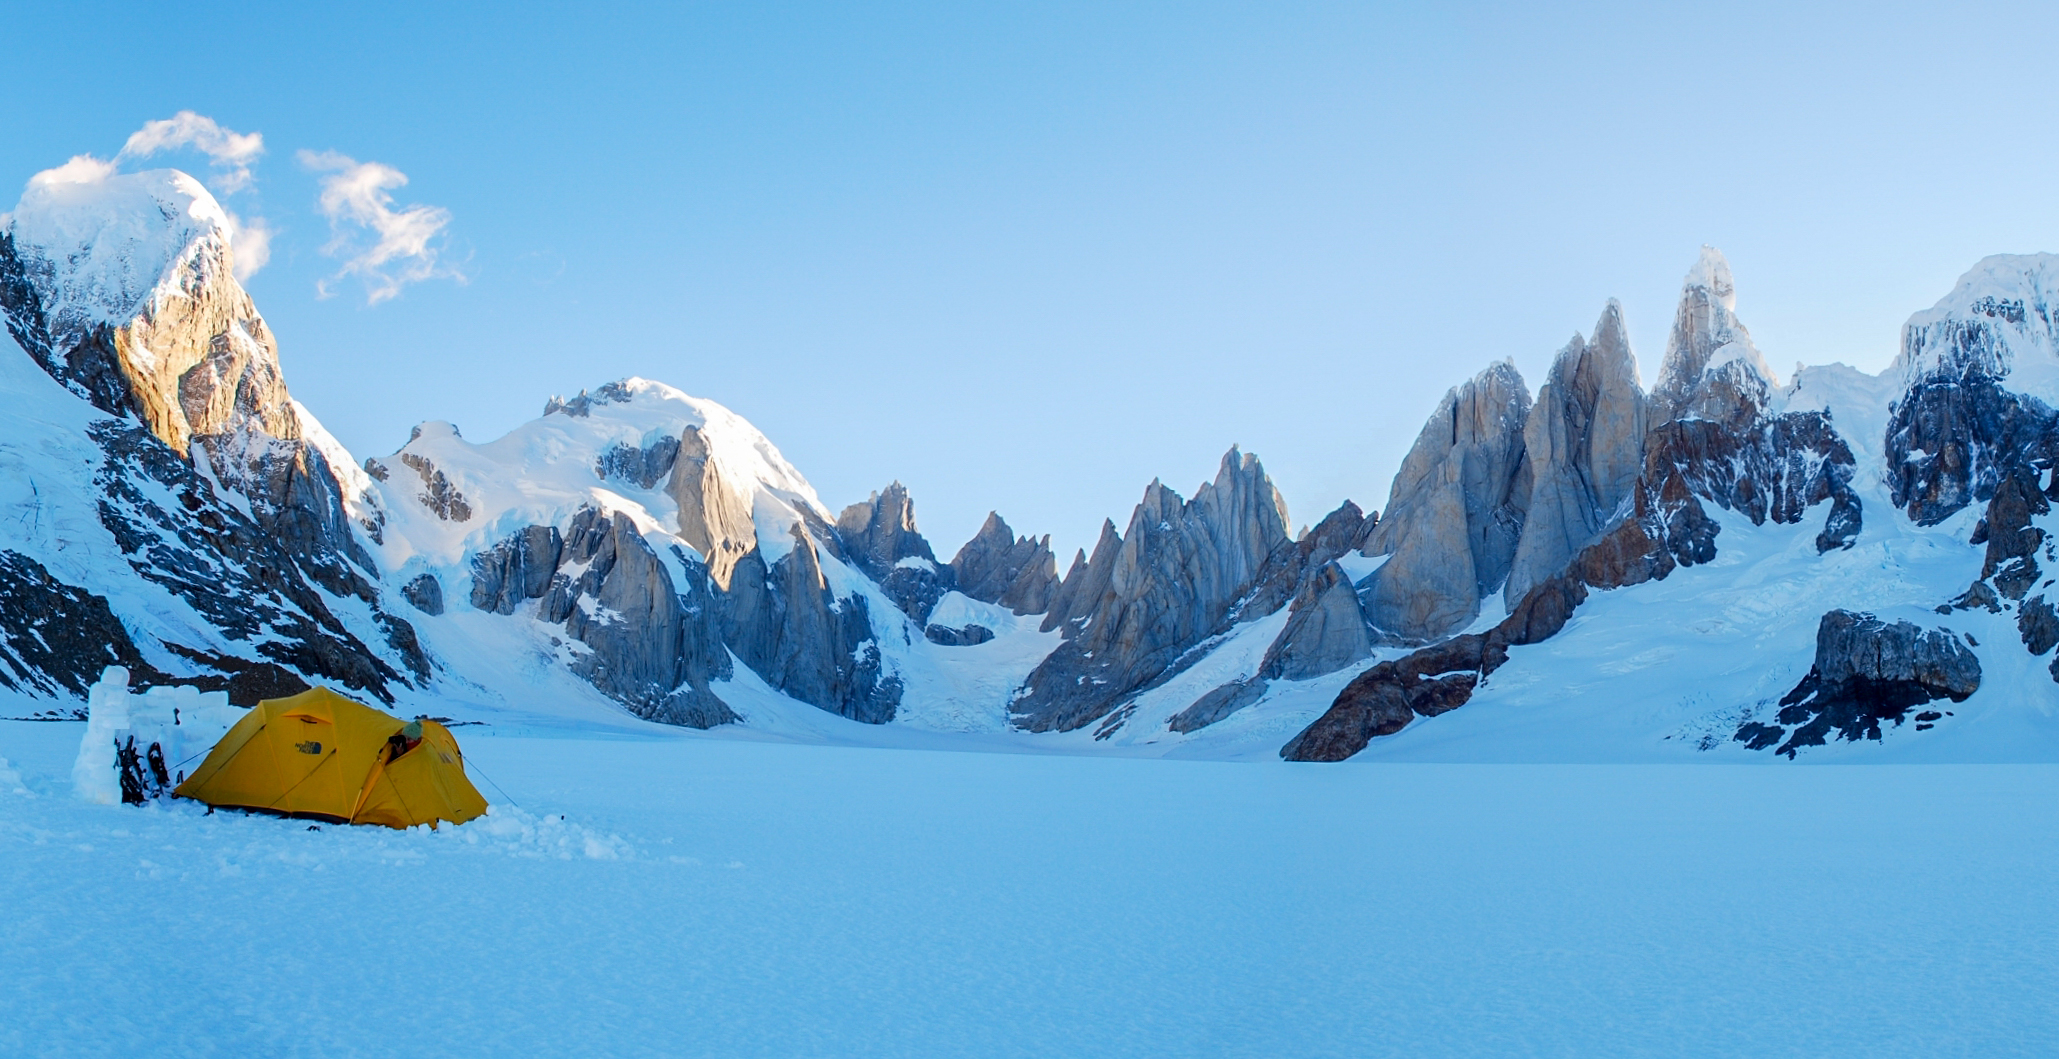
column 1455, row 512
column 996, row 566
column 1712, row 370
column 879, row 537
column 1584, row 442
column 1148, row 596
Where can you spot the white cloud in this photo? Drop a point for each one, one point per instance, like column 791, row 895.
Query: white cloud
column 250, row 244
column 385, row 248
column 231, row 153
column 82, row 169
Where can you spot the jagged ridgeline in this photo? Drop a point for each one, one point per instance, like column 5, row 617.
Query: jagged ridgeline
column 1723, row 562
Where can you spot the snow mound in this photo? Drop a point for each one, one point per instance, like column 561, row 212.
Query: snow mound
column 544, row 471
column 506, row 829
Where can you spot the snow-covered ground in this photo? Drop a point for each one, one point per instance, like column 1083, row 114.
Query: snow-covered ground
column 678, row 894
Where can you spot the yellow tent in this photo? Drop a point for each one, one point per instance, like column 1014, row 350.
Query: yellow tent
column 321, row 755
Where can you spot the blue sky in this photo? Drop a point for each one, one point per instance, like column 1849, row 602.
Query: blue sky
column 1030, row 257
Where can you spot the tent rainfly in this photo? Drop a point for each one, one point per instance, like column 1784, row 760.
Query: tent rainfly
column 320, row 755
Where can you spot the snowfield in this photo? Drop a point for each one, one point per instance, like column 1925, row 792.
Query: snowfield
column 660, row 893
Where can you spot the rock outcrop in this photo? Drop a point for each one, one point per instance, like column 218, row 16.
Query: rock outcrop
column 968, row 636
column 787, row 624
column 1456, row 511
column 1431, row 681
column 714, row 514
column 425, row 593
column 879, row 538
column 1151, row 595
column 1712, row 370
column 1866, row 671
column 650, row 643
column 997, row 567
column 1326, row 630
column 1957, row 430
column 1712, row 426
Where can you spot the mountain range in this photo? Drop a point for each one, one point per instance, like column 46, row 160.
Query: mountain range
column 1723, row 564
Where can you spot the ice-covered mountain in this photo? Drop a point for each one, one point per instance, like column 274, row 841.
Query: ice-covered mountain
column 1725, row 564
column 168, row 505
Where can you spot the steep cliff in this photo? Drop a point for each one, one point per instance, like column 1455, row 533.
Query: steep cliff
column 1456, row 511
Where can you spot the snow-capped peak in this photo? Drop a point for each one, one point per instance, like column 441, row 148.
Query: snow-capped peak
column 1711, row 271
column 677, row 464
column 99, row 246
column 2002, row 318
column 1707, row 335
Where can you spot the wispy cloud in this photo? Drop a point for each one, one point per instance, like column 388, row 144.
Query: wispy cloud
column 386, row 248
column 231, row 153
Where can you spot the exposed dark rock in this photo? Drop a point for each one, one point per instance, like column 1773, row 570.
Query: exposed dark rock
column 1981, row 594
column 1952, row 438
column 1218, row 704
column 232, row 570
column 653, row 644
column 425, row 593
column 644, row 466
column 969, row 636
column 54, row 638
column 787, row 626
column 247, row 683
column 1288, row 568
column 517, row 568
column 1014, row 572
column 1433, row 680
column 1773, row 468
column 438, row 495
column 879, row 538
column 1170, row 583
column 1666, row 528
column 2038, row 624
column 202, row 409
column 2012, row 542
column 582, row 405
column 1867, row 671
